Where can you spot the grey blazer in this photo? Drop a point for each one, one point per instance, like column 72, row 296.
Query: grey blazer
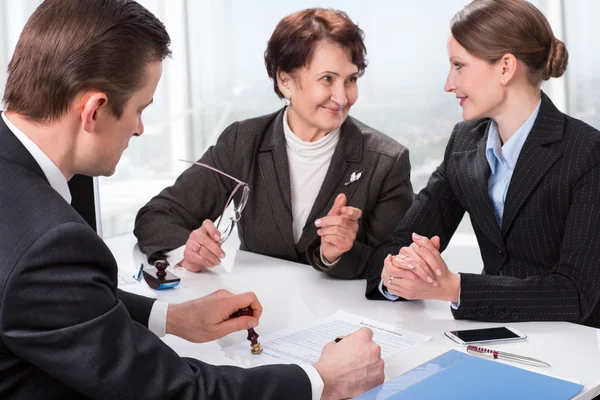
column 66, row 332
column 543, row 264
column 254, row 151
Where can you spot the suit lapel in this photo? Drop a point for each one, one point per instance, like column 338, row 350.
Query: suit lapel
column 473, row 175
column 348, row 151
column 534, row 160
column 274, row 170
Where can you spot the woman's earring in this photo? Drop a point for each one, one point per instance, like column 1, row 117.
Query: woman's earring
column 502, row 81
column 287, row 101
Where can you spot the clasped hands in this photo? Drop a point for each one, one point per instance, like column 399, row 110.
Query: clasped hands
column 419, row 272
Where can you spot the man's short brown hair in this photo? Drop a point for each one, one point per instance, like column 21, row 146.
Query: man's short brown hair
column 293, row 42
column 70, row 46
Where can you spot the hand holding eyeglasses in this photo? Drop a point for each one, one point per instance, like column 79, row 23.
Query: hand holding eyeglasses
column 203, row 247
column 338, row 229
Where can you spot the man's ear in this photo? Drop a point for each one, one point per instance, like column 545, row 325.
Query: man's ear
column 92, row 105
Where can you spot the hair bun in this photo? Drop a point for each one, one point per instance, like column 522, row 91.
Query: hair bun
column 558, row 59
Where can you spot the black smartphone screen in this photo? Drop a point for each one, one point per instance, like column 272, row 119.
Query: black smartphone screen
column 478, row 335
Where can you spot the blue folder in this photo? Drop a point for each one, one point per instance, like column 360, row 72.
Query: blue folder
column 459, row 376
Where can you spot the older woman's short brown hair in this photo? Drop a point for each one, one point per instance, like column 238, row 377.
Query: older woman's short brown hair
column 292, row 43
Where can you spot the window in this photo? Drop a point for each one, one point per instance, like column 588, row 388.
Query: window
column 218, row 51
column 217, row 76
column 13, row 15
column 583, row 79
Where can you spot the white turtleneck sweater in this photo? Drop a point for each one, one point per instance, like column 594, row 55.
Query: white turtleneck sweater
column 308, row 163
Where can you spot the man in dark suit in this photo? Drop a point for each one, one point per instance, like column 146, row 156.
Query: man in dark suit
column 81, row 75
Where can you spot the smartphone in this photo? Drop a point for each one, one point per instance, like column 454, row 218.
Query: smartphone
column 486, row 335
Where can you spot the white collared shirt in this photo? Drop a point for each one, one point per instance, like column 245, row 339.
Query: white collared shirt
column 157, row 322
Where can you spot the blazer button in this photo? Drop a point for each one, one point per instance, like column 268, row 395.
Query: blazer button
column 501, row 253
column 489, row 313
column 514, row 316
column 501, row 314
column 476, row 310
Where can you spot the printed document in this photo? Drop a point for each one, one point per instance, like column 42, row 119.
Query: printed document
column 304, row 344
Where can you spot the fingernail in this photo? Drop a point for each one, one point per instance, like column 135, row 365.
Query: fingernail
column 222, row 255
column 251, row 325
column 319, row 232
column 318, row 222
column 216, row 238
column 429, row 279
column 416, row 236
column 435, row 283
column 438, row 272
column 410, row 266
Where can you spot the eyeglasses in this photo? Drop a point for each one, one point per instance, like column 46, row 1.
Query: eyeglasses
column 237, row 210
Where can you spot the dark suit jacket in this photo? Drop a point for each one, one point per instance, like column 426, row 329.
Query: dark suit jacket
column 543, row 265
column 67, row 332
column 254, row 151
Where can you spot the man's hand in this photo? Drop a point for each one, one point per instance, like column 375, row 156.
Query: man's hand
column 338, row 229
column 203, row 248
column 207, row 318
column 350, row 367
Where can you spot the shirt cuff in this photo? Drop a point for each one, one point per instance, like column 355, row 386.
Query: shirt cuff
column 325, row 262
column 453, row 304
column 175, row 256
column 385, row 293
column 157, row 322
column 316, row 382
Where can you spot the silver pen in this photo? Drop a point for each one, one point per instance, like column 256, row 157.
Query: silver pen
column 494, row 354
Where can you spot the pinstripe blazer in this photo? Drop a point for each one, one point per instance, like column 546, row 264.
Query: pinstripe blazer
column 254, row 151
column 544, row 264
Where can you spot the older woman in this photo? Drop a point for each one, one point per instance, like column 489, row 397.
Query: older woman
column 324, row 187
column 527, row 174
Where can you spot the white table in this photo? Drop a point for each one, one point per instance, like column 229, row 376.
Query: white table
column 293, row 293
